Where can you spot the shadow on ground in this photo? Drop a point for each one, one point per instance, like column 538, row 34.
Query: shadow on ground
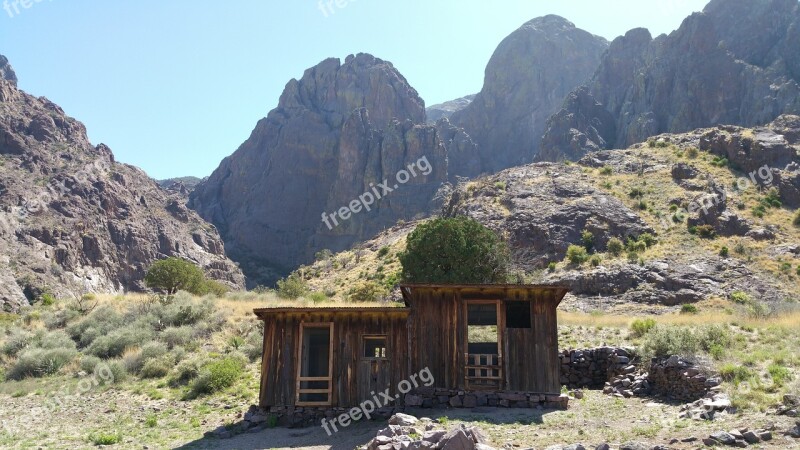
column 360, row 433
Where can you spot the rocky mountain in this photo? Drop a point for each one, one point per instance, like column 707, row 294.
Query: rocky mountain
column 188, row 183
column 73, row 220
column 734, row 63
column 446, row 109
column 526, row 80
column 309, row 176
column 710, row 233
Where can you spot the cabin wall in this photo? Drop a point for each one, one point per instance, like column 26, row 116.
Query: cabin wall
column 438, row 334
column 353, row 375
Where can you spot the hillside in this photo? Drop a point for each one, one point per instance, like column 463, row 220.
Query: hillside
column 647, row 189
column 75, row 221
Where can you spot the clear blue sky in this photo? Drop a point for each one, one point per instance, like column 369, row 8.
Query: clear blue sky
column 175, row 86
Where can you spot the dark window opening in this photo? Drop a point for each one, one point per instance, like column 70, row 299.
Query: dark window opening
column 375, row 347
column 518, row 314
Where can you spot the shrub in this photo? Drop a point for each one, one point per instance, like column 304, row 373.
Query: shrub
column 151, row 421
column 53, row 340
column 688, row 309
column 186, row 371
column 48, row 299
column 117, row 372
column 454, row 250
column 157, row 368
column 218, row 375
column 606, row 170
column 177, row 336
column 317, row 297
column 636, row 246
column 368, row 291
column 587, row 239
column 383, row 252
column 213, row 287
column 779, row 374
column 292, row 287
column 692, row 152
column 734, row 373
column 18, row 340
column 796, row 220
column 740, row 297
column 577, row 254
column 705, row 231
column 551, row 267
column 615, row 246
column 89, row 363
column 105, row 438
column 182, row 310
column 173, row 274
column 670, row 340
column 636, row 193
column 40, row 362
column 712, row 336
column 640, row 327
column 724, row 252
column 648, row 239
column 114, row 344
column 323, row 255
column 595, row 260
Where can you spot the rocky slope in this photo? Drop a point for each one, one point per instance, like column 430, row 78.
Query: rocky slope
column 526, row 80
column 734, row 63
column 446, row 109
column 337, row 132
column 73, row 220
column 667, row 189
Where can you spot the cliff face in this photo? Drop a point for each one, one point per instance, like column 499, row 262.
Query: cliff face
column 72, row 220
column 734, row 63
column 337, row 133
column 526, row 80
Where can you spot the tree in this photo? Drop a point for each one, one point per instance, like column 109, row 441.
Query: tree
column 453, row 251
column 174, row 274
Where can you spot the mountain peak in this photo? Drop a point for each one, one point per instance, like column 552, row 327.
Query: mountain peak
column 6, row 71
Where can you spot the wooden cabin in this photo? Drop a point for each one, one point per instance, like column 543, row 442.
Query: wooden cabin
column 499, row 338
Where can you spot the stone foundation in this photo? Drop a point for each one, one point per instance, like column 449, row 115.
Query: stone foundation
column 677, row 379
column 291, row 416
column 592, row 368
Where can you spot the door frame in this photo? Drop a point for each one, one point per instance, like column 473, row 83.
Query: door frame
column 329, row 378
column 500, row 314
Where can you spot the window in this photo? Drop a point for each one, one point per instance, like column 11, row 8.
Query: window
column 518, row 314
column 375, row 347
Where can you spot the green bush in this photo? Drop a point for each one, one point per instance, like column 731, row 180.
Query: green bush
column 317, row 297
column 218, row 375
column 292, row 287
column 595, row 260
column 103, row 439
column 796, row 220
column 688, row 309
column 551, row 266
column 740, row 297
column 665, row 340
column 454, row 250
column 383, row 252
column 640, row 327
column 181, row 310
column 724, row 252
column 89, row 363
column 186, row 371
column 368, row 291
column 735, row 373
column 577, row 254
column 39, row 362
column 16, row 341
column 587, row 239
column 214, row 288
column 648, row 239
column 711, row 336
column 606, row 170
column 48, row 299
column 779, row 374
column 173, row 274
column 705, row 231
column 692, row 152
column 615, row 246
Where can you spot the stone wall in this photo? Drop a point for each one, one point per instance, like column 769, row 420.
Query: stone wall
column 678, row 379
column 592, row 368
column 296, row 416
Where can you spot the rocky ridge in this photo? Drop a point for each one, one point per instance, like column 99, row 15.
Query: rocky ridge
column 73, row 220
column 734, row 63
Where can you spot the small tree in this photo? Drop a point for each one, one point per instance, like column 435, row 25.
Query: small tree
column 174, row 274
column 292, row 287
column 452, row 251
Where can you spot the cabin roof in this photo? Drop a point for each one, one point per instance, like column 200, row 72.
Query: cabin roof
column 558, row 290
column 263, row 312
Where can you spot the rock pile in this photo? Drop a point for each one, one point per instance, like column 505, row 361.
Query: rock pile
column 408, row 432
column 738, row 438
column 790, row 406
column 592, row 368
column 678, row 379
column 707, row 408
column 628, row 385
